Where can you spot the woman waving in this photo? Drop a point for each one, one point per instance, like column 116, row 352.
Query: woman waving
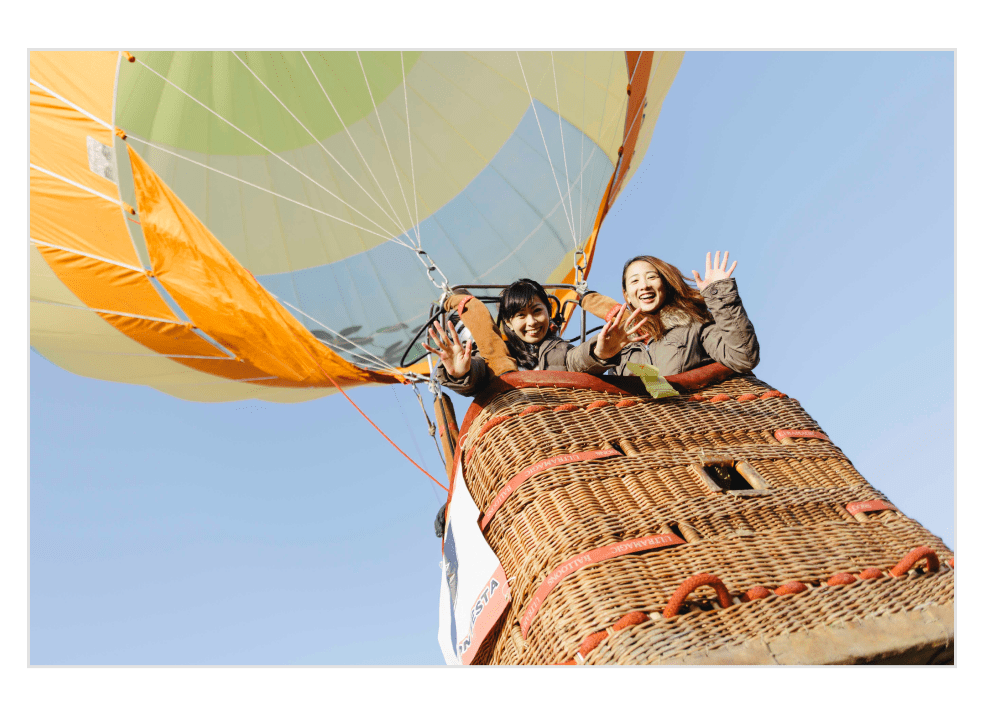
column 685, row 327
column 531, row 342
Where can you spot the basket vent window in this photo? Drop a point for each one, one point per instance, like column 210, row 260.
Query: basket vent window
column 731, row 476
column 728, row 478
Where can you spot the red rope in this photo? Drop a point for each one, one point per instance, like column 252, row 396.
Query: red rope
column 592, row 641
column 565, row 407
column 756, row 593
column 914, row 556
column 691, row 584
column 596, row 638
column 773, row 394
column 790, row 588
column 633, row 618
column 370, row 421
column 492, row 423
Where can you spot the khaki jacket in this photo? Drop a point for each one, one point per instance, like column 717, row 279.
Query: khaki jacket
column 729, row 339
column 554, row 354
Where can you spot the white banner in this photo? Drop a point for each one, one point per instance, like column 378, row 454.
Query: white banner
column 474, row 591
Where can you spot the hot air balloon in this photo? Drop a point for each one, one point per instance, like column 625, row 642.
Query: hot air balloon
column 231, row 225
column 279, row 226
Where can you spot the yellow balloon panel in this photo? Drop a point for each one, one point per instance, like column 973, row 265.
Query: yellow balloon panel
column 80, row 341
column 45, row 284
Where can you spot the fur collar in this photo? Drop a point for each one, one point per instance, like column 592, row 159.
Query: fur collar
column 674, row 317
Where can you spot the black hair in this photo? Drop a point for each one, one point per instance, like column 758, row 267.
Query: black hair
column 513, row 299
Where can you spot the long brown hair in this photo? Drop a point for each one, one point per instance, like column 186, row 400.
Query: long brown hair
column 681, row 298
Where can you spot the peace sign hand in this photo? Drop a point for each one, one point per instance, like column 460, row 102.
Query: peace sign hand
column 455, row 358
column 714, row 272
column 613, row 337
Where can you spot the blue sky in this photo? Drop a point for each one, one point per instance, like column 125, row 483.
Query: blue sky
column 170, row 532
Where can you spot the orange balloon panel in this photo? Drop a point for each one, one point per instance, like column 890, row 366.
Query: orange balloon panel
column 110, row 287
column 67, row 216
column 83, row 78
column 224, row 300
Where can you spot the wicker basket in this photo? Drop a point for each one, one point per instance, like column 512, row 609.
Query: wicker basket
column 605, row 506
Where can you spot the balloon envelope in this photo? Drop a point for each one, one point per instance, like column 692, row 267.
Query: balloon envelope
column 225, row 225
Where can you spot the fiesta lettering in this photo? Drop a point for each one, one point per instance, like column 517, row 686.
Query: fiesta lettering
column 483, row 601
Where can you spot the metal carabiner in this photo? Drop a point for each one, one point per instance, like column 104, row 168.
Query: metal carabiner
column 580, row 283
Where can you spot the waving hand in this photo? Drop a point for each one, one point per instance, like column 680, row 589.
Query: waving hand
column 613, row 337
column 714, row 272
column 455, row 357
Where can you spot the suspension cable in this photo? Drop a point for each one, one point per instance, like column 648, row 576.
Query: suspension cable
column 563, row 147
column 270, row 152
column 430, row 425
column 355, row 145
column 375, row 107
column 435, row 388
column 302, row 125
column 570, row 223
column 362, row 413
column 413, row 178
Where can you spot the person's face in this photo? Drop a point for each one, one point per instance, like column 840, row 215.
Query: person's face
column 643, row 287
column 532, row 322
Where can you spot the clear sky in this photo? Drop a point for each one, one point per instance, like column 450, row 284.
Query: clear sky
column 171, row 532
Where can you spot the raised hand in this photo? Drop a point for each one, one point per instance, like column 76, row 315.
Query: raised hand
column 714, row 272
column 613, row 337
column 455, row 358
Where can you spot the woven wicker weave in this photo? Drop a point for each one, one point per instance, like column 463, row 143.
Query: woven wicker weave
column 798, row 529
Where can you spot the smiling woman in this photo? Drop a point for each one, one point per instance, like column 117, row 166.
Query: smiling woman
column 524, row 317
column 532, row 342
column 686, row 328
column 531, row 322
column 645, row 284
